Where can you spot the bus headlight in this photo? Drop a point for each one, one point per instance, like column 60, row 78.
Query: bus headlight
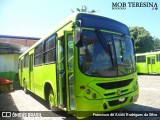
column 91, row 93
column 88, row 91
column 94, row 95
column 135, row 86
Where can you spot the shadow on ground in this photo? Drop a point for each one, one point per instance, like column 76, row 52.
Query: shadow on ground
column 48, row 113
column 134, row 108
column 139, row 109
column 7, row 104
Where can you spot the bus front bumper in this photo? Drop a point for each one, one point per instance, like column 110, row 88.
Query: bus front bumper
column 86, row 107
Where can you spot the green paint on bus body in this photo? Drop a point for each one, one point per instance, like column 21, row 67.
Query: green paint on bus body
column 73, row 91
column 148, row 63
column 107, row 31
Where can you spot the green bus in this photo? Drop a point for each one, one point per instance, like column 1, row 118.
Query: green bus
column 86, row 64
column 148, row 63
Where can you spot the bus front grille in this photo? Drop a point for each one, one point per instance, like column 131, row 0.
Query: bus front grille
column 113, row 93
column 113, row 85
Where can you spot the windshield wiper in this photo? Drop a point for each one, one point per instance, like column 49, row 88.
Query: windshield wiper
column 121, row 50
column 105, row 44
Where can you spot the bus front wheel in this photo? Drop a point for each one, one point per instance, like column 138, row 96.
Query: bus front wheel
column 51, row 101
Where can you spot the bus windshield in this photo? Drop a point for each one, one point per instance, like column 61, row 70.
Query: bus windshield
column 104, row 54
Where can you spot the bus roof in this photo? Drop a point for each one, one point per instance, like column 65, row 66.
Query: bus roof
column 120, row 27
column 147, row 53
column 101, row 22
column 68, row 19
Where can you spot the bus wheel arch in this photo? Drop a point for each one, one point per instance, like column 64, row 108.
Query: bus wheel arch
column 49, row 97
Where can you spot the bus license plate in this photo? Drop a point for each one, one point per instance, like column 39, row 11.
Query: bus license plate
column 121, row 100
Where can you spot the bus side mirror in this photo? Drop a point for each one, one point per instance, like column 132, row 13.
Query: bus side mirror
column 77, row 36
column 77, row 27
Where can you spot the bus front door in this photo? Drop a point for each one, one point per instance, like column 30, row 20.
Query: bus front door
column 65, row 91
column 61, row 73
column 69, row 70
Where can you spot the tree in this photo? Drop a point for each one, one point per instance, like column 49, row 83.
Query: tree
column 84, row 9
column 144, row 42
column 156, row 44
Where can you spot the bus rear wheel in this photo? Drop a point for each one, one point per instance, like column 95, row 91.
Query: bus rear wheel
column 51, row 101
column 25, row 86
column 25, row 90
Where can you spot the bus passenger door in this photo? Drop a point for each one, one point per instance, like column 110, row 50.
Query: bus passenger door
column 31, row 87
column 65, row 74
column 151, row 64
column 21, row 72
column 61, row 73
column 69, row 70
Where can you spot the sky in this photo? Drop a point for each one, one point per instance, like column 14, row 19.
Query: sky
column 36, row 18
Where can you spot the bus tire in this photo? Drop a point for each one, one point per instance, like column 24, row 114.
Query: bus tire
column 25, row 86
column 51, row 101
column 25, row 90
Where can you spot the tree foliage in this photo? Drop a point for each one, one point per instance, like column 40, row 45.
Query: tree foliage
column 156, row 44
column 144, row 42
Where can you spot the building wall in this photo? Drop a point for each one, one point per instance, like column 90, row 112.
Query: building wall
column 24, row 42
column 9, row 58
column 9, row 66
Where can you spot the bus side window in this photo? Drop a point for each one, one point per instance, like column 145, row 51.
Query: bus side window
column 141, row 58
column 26, row 61
column 38, row 54
column 49, row 50
column 157, row 57
column 70, row 52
